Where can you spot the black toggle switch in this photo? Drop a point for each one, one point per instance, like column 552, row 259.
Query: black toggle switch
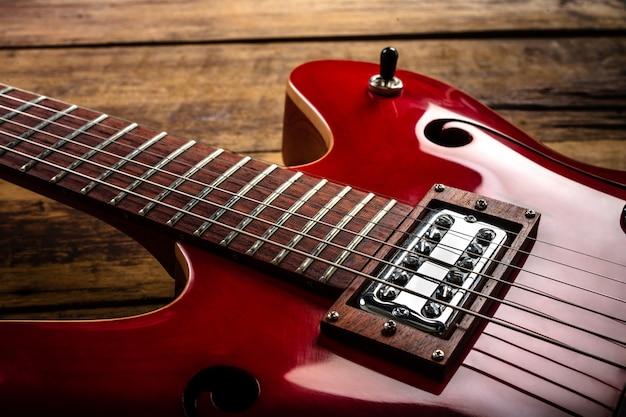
column 388, row 63
column 386, row 83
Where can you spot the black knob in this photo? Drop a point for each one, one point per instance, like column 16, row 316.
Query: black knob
column 388, row 62
column 385, row 83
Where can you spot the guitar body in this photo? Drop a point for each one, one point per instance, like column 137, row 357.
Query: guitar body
column 229, row 314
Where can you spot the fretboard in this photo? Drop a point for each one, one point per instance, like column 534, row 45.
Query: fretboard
column 308, row 226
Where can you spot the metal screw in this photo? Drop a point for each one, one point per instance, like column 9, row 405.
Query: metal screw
column 530, row 214
column 439, row 187
column 481, row 204
column 484, row 236
column 444, row 220
column 401, row 312
column 389, row 328
column 438, row 355
column 432, row 310
column 332, row 316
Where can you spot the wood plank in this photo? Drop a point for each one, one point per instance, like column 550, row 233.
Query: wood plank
column 606, row 153
column 569, row 92
column 570, row 125
column 59, row 263
column 55, row 256
column 232, row 95
column 58, row 22
column 57, row 311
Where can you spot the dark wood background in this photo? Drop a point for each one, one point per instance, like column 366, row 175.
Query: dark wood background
column 216, row 71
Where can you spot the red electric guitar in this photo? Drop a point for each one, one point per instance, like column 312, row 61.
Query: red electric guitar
column 431, row 260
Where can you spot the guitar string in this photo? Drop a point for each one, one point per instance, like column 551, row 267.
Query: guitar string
column 370, row 257
column 497, row 321
column 577, row 306
column 131, row 134
column 566, row 265
column 544, row 378
column 549, row 359
column 369, row 221
column 287, row 194
column 500, row 322
column 519, row 387
column 525, row 288
column 488, row 277
column 553, row 360
column 547, row 379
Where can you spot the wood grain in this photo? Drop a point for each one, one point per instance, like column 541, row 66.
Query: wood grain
column 607, row 153
column 156, row 224
column 69, row 260
column 58, row 22
column 232, row 95
column 519, row 57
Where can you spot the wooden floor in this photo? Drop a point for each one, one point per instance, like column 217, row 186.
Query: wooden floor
column 216, row 71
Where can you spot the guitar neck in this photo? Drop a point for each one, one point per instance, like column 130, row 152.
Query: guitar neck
column 305, row 225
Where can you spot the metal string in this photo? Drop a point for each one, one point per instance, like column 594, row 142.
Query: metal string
column 525, row 288
column 500, row 322
column 287, row 193
column 609, row 261
column 551, row 359
column 532, row 334
column 522, row 390
column 535, row 374
column 382, row 261
column 131, row 134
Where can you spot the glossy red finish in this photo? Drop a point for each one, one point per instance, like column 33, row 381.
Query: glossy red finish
column 230, row 314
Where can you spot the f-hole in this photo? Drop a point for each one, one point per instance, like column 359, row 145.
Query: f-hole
column 450, row 137
column 224, row 388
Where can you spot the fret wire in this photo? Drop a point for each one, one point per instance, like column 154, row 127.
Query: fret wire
column 244, row 190
column 259, row 208
column 150, row 172
column 334, row 231
column 6, row 90
column 31, row 130
column 530, row 289
column 500, row 322
column 515, row 305
column 310, row 223
column 61, row 142
column 109, row 152
column 521, row 251
column 179, row 180
column 520, row 286
column 283, row 218
column 356, row 240
column 20, row 110
column 41, row 125
column 94, row 150
column 207, row 190
column 122, row 161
